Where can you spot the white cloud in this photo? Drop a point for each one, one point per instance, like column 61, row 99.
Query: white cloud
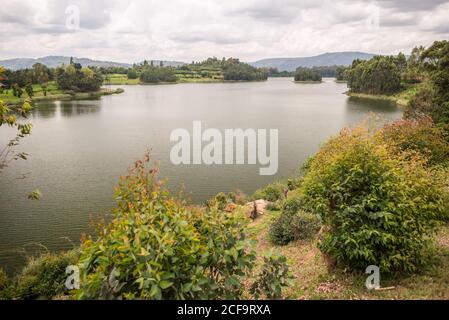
column 134, row 30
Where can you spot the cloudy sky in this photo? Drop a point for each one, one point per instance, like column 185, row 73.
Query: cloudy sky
column 133, row 30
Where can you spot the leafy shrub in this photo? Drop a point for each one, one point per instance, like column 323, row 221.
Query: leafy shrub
column 238, row 197
column 293, row 183
column 291, row 227
column 418, row 135
column 4, row 285
column 381, row 207
column 152, row 74
column 221, row 200
column 280, row 231
column 274, row 206
column 3, row 279
column 292, row 204
column 274, row 277
column 44, row 277
column 305, row 225
column 157, row 248
column 271, row 192
column 132, row 74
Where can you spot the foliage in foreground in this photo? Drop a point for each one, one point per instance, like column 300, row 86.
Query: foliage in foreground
column 44, row 277
column 273, row 278
column 157, row 248
column 419, row 135
column 271, row 192
column 8, row 116
column 381, row 207
column 291, row 227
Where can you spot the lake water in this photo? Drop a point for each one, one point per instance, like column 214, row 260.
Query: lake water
column 78, row 149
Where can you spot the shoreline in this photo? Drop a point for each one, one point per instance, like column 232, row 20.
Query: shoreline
column 396, row 98
column 67, row 96
column 207, row 80
column 307, row 82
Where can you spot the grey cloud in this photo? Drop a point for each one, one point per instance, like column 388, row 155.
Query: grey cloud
column 271, row 11
column 212, row 37
column 194, row 29
column 411, row 5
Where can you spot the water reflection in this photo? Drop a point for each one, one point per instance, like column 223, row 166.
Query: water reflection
column 56, row 109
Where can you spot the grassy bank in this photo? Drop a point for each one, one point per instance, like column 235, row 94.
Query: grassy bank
column 122, row 79
column 401, row 98
column 53, row 93
column 306, row 82
column 313, row 280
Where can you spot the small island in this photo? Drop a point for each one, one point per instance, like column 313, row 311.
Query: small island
column 307, row 75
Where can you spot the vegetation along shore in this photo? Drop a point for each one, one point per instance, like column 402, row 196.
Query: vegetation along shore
column 374, row 194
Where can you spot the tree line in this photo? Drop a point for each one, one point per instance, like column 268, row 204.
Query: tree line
column 72, row 77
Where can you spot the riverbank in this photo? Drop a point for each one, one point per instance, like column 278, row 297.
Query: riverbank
column 307, row 82
column 60, row 95
column 401, row 98
column 123, row 80
column 313, row 279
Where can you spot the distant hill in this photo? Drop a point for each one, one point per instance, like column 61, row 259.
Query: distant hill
column 55, row 61
column 325, row 59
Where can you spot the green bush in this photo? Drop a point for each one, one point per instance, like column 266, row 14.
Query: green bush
column 238, row 197
column 132, row 74
column 274, row 206
column 271, row 192
column 273, row 278
column 157, row 248
column 293, row 183
column 4, row 286
column 291, row 227
column 44, row 277
column 381, row 207
column 280, row 231
column 222, row 200
column 292, row 204
column 305, row 225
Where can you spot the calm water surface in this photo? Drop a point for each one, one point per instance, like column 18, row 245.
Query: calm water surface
column 79, row 148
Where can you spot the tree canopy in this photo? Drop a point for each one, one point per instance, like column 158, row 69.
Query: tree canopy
column 306, row 74
column 379, row 75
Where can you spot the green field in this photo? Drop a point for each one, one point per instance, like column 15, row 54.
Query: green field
column 118, row 79
column 52, row 93
column 187, row 74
